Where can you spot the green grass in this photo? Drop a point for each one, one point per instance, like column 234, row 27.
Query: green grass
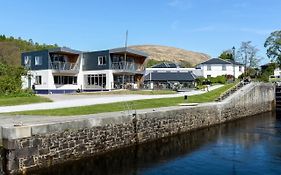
column 137, row 104
column 124, row 92
column 11, row 101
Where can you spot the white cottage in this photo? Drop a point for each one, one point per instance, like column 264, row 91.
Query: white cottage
column 216, row 67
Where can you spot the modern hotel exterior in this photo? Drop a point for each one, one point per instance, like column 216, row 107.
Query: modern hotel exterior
column 63, row 70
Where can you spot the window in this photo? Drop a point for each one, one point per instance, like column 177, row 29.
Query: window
column 97, row 80
column 101, row 60
column 240, row 68
column 223, row 67
column 38, row 60
column 38, row 80
column 65, row 80
column 208, row 76
column 27, row 61
column 209, row 67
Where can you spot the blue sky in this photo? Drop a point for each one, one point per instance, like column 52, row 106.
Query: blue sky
column 208, row 26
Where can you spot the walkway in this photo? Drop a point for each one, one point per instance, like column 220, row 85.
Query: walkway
column 81, row 100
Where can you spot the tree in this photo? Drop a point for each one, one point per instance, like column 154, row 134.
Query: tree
column 226, row 55
column 273, row 45
column 247, row 54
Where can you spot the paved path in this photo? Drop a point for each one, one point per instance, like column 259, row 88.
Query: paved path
column 93, row 100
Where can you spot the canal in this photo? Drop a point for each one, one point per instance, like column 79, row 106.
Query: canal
column 247, row 146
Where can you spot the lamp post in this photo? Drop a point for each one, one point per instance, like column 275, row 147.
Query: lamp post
column 233, row 58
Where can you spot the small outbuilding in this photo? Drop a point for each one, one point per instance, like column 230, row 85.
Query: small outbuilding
column 170, row 80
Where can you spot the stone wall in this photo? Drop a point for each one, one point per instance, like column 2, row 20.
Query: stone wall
column 44, row 145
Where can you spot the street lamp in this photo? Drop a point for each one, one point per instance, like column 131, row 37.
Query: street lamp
column 233, row 58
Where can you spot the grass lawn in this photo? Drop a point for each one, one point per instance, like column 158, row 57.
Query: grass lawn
column 124, row 92
column 11, row 101
column 137, row 104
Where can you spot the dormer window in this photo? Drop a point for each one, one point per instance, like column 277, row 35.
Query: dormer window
column 101, row 60
column 38, row 60
column 27, row 61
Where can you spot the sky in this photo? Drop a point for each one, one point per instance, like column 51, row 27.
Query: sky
column 208, row 26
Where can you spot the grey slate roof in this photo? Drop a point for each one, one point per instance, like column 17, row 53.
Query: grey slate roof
column 170, row 76
column 165, row 65
column 64, row 49
column 123, row 49
column 220, row 61
column 216, row 61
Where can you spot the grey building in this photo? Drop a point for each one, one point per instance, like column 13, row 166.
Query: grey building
column 64, row 70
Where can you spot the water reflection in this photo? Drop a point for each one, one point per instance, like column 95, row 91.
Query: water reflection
column 248, row 146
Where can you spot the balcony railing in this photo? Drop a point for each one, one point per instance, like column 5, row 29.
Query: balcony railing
column 127, row 66
column 64, row 66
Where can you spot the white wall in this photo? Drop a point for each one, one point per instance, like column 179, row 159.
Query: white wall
column 277, row 72
column 47, row 81
column 216, row 70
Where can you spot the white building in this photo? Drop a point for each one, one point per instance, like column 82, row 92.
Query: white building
column 216, row 67
column 63, row 70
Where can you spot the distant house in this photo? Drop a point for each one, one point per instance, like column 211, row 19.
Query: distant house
column 216, row 67
column 63, row 70
column 169, row 75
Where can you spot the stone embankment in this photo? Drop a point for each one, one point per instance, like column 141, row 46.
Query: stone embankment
column 42, row 145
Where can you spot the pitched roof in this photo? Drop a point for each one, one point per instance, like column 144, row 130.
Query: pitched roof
column 170, row 76
column 129, row 50
column 166, row 65
column 65, row 50
column 216, row 61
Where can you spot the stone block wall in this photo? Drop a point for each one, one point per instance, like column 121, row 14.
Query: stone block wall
column 49, row 147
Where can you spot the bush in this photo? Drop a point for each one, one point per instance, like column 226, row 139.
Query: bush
column 219, row 79
column 10, row 80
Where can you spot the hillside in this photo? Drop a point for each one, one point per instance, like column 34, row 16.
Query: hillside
column 11, row 49
column 159, row 54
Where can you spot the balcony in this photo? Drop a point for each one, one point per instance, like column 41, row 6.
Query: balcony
column 65, row 67
column 125, row 66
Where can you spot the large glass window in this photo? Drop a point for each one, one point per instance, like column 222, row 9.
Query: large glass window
column 38, row 60
column 65, row 80
column 96, row 80
column 223, row 67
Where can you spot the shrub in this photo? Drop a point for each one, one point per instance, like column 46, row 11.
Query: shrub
column 10, row 79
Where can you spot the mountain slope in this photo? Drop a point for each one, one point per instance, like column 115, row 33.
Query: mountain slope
column 11, row 49
column 172, row 54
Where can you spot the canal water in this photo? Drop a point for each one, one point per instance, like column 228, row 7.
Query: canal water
column 247, row 146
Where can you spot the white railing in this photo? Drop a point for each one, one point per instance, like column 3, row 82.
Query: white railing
column 127, row 66
column 64, row 66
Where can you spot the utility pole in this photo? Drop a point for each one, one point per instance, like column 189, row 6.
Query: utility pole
column 125, row 60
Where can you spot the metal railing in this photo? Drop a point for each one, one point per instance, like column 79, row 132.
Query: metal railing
column 127, row 66
column 64, row 66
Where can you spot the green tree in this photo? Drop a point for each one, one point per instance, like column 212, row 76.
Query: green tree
column 226, row 55
column 10, row 79
column 247, row 54
column 273, row 46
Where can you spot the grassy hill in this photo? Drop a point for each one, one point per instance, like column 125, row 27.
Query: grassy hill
column 11, row 48
column 159, row 54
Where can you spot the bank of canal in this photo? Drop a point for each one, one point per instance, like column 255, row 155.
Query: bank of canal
column 247, row 146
